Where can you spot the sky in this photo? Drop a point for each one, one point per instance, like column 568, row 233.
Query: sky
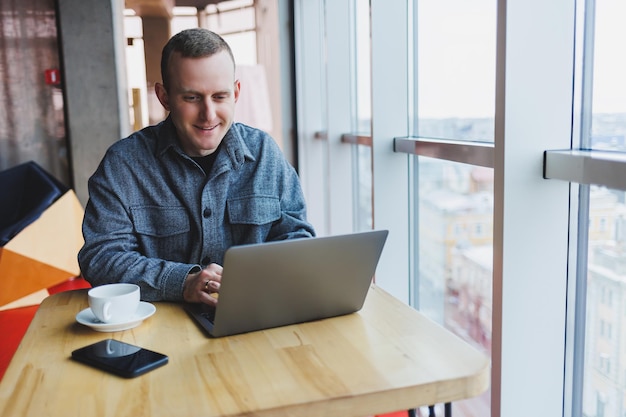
column 456, row 44
column 609, row 84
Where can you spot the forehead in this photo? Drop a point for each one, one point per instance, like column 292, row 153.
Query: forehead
column 216, row 71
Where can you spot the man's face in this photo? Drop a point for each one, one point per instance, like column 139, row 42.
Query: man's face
column 201, row 100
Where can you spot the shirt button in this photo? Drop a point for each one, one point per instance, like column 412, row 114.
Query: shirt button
column 206, row 213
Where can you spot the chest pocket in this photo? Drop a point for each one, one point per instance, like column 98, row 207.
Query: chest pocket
column 163, row 232
column 158, row 221
column 253, row 210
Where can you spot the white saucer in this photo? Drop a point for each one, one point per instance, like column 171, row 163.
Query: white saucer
column 87, row 318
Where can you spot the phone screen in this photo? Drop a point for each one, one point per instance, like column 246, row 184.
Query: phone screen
column 120, row 358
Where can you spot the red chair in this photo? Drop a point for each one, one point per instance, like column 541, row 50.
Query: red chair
column 15, row 321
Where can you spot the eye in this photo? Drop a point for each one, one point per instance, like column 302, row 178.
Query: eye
column 221, row 96
column 191, row 97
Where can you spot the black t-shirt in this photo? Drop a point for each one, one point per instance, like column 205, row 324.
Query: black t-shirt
column 206, row 162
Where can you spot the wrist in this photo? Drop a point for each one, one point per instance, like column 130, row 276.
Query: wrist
column 193, row 272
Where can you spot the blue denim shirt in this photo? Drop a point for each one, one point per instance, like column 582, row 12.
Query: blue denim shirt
column 153, row 216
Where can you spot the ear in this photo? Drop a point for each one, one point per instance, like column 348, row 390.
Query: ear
column 162, row 95
column 236, row 90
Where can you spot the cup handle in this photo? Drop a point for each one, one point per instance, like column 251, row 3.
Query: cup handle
column 105, row 311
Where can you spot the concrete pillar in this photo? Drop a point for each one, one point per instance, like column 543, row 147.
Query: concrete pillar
column 94, row 80
column 156, row 33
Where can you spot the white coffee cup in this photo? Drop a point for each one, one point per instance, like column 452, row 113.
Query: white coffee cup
column 114, row 303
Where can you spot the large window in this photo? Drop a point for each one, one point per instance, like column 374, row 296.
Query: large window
column 499, row 167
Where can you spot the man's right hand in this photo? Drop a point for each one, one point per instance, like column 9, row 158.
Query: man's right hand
column 203, row 286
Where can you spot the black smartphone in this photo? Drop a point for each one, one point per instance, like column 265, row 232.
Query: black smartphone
column 120, row 358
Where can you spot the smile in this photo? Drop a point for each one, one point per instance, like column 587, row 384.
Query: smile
column 207, row 128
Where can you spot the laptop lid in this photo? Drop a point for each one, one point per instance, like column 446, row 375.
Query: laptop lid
column 292, row 281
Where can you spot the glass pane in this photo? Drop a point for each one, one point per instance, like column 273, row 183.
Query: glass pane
column 455, row 69
column 224, row 20
column 184, row 18
column 362, row 74
column 362, row 155
column 604, row 385
column 455, row 255
column 364, row 214
column 609, row 80
column 604, row 370
column 454, row 98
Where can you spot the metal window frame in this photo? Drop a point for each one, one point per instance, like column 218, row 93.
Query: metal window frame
column 473, row 153
column 593, row 167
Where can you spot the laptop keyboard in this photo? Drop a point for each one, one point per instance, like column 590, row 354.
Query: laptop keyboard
column 208, row 313
column 202, row 313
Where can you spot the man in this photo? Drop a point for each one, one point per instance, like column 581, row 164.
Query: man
column 166, row 202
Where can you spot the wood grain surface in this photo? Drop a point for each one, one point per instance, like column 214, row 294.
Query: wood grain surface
column 384, row 358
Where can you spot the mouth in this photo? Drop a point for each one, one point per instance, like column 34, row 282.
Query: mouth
column 207, row 128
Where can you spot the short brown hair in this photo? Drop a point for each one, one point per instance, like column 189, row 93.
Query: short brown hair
column 192, row 43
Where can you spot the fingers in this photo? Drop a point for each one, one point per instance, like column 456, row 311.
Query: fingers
column 203, row 286
column 212, row 286
column 206, row 298
column 213, row 272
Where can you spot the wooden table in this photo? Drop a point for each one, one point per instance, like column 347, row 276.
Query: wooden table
column 386, row 357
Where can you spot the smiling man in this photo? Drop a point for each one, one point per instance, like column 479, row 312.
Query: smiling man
column 166, row 202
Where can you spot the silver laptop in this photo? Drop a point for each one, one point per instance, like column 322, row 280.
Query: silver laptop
column 292, row 281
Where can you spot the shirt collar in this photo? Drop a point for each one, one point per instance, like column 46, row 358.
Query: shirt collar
column 233, row 145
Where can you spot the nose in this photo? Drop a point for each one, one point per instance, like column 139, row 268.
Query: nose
column 208, row 109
